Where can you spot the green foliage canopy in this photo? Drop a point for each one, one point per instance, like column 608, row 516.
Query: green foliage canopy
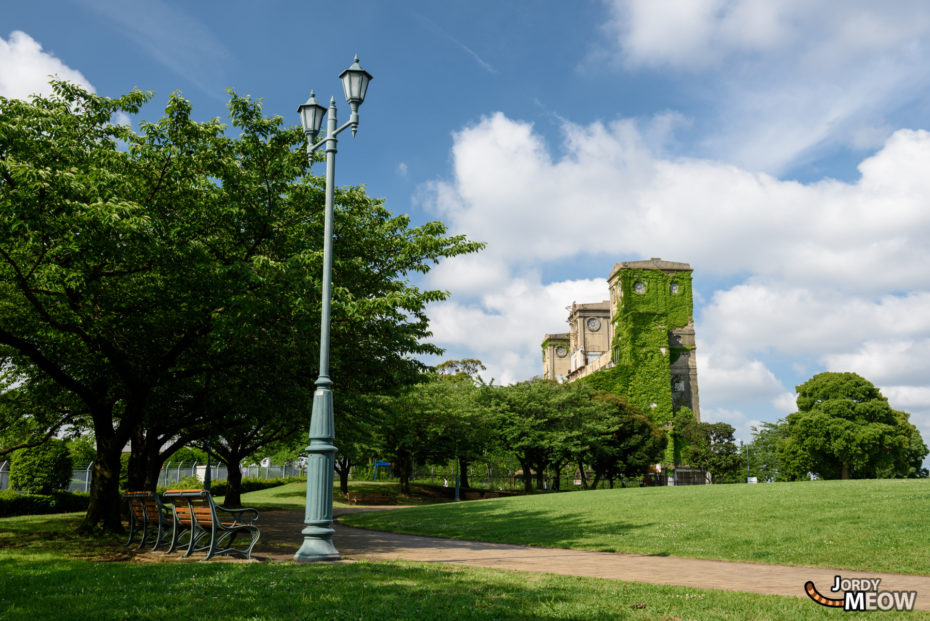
column 844, row 428
column 711, row 446
column 143, row 275
column 41, row 469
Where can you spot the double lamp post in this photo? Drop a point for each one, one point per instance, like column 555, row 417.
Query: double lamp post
column 318, row 533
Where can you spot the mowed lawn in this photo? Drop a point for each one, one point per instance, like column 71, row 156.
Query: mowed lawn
column 48, row 572
column 878, row 525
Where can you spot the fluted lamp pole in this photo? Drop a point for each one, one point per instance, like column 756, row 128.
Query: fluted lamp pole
column 318, row 532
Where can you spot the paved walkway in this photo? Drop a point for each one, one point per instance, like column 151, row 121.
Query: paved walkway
column 281, row 538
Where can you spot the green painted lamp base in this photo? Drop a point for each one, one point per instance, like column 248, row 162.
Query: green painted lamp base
column 317, row 551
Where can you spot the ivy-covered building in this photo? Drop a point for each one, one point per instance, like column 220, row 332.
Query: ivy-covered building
column 639, row 344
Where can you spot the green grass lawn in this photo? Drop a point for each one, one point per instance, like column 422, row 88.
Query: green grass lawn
column 294, row 495
column 50, row 573
column 867, row 525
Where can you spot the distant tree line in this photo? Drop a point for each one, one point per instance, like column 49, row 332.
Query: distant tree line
column 544, row 426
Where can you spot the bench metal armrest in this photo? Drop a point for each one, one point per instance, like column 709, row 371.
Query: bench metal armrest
column 237, row 513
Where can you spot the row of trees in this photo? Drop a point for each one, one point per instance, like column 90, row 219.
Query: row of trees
column 544, row 426
column 161, row 287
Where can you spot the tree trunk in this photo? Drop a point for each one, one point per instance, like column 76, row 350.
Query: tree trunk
column 845, row 474
column 343, row 468
column 104, row 506
column 135, row 470
column 556, row 478
column 403, row 472
column 233, row 483
column 583, row 477
column 527, row 483
column 540, row 477
column 463, row 473
column 151, row 466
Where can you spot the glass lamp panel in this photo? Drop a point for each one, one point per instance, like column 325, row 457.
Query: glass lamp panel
column 311, row 115
column 355, row 83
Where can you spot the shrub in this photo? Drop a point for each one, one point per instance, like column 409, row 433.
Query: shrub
column 218, row 488
column 13, row 503
column 188, row 482
column 41, row 469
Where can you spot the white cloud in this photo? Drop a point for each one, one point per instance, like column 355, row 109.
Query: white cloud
column 908, row 397
column 510, row 192
column 694, row 34
column 810, row 321
column 26, row 68
column 788, row 79
column 893, row 360
column 506, row 326
column 827, row 274
column 786, row 403
column 733, row 379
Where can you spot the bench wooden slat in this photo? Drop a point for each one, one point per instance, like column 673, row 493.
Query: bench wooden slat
column 198, row 516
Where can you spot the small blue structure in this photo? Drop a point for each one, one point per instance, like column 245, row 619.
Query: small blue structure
column 379, row 462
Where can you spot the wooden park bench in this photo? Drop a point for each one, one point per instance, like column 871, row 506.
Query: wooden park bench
column 148, row 517
column 198, row 516
column 368, row 498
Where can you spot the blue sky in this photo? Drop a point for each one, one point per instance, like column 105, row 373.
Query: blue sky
column 779, row 148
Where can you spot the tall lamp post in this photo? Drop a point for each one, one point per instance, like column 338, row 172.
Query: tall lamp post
column 318, row 533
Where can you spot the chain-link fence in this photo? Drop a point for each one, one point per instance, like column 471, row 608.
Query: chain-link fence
column 171, row 473
column 480, row 476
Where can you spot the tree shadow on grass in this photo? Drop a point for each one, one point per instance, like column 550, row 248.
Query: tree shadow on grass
column 486, row 521
column 285, row 591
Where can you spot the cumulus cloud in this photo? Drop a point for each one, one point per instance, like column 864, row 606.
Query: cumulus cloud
column 508, row 190
column 694, row 34
column 894, row 360
column 505, row 326
column 825, row 275
column 27, row 68
column 788, row 79
column 734, row 379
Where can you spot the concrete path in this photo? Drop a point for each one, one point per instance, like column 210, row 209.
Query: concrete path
column 281, row 538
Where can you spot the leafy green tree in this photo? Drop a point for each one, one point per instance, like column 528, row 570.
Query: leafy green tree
column 469, row 422
column 42, row 469
column 81, row 449
column 141, row 273
column 437, row 420
column 763, row 451
column 623, row 441
column 546, row 424
column 407, row 430
column 357, row 421
column 30, row 412
column 711, row 447
column 844, row 428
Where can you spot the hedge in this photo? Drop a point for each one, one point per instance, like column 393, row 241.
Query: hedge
column 14, row 503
